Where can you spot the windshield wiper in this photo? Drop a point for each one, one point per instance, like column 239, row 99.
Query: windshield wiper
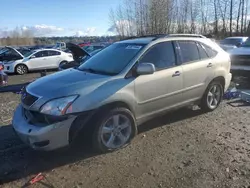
column 96, row 71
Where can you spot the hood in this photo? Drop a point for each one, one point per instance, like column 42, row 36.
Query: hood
column 77, row 52
column 240, row 51
column 64, row 83
column 10, row 57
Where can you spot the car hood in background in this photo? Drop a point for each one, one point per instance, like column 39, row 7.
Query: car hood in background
column 240, row 51
column 77, row 52
column 12, row 58
column 64, row 83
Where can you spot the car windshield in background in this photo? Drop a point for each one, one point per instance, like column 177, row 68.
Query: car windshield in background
column 231, row 41
column 3, row 50
column 28, row 54
column 113, row 59
column 246, row 44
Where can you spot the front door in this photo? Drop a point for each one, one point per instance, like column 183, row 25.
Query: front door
column 162, row 90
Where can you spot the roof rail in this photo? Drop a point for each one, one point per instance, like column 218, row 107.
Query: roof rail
column 155, row 36
column 186, row 35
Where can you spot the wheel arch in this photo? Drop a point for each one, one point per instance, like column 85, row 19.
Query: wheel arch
column 16, row 65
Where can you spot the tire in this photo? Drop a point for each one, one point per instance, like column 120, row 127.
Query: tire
column 212, row 94
column 62, row 63
column 109, row 136
column 21, row 69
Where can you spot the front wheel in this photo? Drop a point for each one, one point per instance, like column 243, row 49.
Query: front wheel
column 21, row 69
column 212, row 96
column 114, row 130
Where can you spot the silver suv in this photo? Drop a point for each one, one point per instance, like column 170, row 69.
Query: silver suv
column 121, row 87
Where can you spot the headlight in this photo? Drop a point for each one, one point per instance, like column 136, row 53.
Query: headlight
column 58, row 107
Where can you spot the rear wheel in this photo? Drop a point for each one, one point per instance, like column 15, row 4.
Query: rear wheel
column 114, row 130
column 21, row 69
column 212, row 96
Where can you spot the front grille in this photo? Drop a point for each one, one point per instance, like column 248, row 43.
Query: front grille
column 28, row 99
column 39, row 119
column 240, row 60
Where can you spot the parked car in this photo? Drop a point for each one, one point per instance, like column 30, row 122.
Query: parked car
column 11, row 54
column 76, row 63
column 82, row 44
column 240, row 59
column 121, row 87
column 3, row 76
column 232, row 42
column 38, row 60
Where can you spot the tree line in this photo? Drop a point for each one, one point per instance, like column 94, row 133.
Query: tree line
column 220, row 18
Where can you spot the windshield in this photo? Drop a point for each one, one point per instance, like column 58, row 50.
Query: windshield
column 3, row 50
column 246, row 44
column 113, row 59
column 231, row 41
column 29, row 54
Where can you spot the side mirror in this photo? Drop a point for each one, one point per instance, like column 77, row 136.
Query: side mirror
column 145, row 68
column 32, row 57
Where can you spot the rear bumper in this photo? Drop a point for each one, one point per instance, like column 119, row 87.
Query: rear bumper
column 227, row 81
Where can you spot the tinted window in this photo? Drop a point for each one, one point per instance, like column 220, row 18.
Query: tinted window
column 41, row 54
column 210, row 52
column 161, row 55
column 202, row 52
column 53, row 53
column 189, row 51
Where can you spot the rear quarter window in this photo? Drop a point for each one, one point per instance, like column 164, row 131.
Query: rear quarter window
column 210, row 52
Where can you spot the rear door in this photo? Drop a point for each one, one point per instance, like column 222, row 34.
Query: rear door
column 162, row 90
column 198, row 69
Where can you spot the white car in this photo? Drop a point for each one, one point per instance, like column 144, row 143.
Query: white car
column 38, row 60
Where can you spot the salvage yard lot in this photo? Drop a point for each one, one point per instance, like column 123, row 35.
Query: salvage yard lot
column 185, row 148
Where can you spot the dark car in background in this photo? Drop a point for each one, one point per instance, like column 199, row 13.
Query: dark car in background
column 240, row 59
column 79, row 55
column 12, row 54
column 232, row 42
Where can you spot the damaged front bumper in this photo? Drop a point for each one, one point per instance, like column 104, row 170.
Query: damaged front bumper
column 42, row 135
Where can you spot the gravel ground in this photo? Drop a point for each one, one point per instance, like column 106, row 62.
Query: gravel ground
column 185, row 148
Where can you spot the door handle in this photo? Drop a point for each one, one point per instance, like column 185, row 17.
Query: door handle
column 177, row 73
column 209, row 65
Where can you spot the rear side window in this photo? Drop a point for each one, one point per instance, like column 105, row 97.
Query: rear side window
column 53, row 53
column 189, row 51
column 210, row 52
column 162, row 55
column 202, row 52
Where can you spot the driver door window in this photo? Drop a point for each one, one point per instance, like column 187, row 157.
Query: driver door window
column 161, row 55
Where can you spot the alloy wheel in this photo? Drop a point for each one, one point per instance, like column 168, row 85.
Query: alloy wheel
column 214, row 96
column 116, row 131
